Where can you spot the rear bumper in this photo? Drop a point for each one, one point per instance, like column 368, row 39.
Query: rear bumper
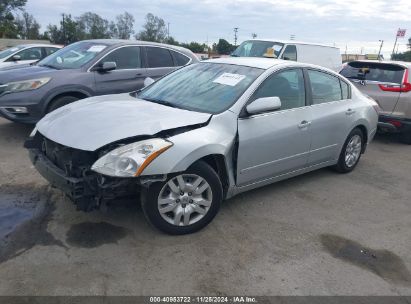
column 394, row 124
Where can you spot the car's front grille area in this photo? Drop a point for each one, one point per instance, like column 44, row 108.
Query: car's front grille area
column 74, row 162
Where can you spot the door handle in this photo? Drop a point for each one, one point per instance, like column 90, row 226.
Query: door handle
column 139, row 74
column 349, row 112
column 304, row 124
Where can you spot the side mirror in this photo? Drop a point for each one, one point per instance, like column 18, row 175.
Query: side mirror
column 106, row 66
column 264, row 104
column 148, row 81
column 16, row 58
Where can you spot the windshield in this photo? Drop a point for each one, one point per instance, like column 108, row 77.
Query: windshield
column 73, row 56
column 256, row 48
column 202, row 87
column 381, row 72
column 7, row 52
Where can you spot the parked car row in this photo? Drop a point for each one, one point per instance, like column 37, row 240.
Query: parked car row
column 186, row 135
column 203, row 134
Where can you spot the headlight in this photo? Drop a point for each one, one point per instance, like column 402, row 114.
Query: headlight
column 26, row 85
column 130, row 160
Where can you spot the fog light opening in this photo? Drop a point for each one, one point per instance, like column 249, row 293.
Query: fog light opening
column 16, row 110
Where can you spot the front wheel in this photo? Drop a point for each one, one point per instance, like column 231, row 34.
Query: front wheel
column 186, row 202
column 60, row 102
column 351, row 152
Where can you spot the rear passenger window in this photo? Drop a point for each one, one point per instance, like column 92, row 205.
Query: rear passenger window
column 159, row 58
column 287, row 85
column 290, row 53
column 345, row 90
column 125, row 58
column 325, row 87
column 180, row 58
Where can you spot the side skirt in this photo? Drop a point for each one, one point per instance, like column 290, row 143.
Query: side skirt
column 237, row 190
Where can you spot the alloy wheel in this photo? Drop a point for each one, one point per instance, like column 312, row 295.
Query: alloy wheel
column 353, row 151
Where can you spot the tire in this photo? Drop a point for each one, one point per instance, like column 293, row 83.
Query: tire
column 344, row 165
column 174, row 203
column 405, row 137
column 61, row 101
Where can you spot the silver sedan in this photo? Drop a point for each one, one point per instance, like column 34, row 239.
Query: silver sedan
column 203, row 134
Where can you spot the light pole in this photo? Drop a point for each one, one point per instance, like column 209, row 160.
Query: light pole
column 379, row 52
column 235, row 36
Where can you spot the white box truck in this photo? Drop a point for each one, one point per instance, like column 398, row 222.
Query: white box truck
column 322, row 55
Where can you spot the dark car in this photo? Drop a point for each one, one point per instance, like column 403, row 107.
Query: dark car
column 84, row 69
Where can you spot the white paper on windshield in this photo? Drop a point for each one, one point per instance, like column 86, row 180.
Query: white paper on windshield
column 96, row 48
column 14, row 49
column 229, row 79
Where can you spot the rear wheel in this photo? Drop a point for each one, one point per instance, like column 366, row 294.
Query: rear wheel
column 61, row 101
column 351, row 152
column 186, row 202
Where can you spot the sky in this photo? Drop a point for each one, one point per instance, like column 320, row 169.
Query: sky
column 351, row 25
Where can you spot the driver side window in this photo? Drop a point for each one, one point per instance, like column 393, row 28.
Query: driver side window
column 125, row 58
column 287, row 85
column 33, row 53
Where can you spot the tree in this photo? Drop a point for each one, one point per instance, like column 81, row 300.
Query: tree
column 8, row 27
column 124, row 26
column 224, row 47
column 195, row 47
column 153, row 30
column 406, row 56
column 27, row 26
column 67, row 33
column 172, row 41
column 92, row 26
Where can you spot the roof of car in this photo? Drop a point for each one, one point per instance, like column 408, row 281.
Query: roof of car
column 119, row 42
column 292, row 42
column 401, row 63
column 254, row 62
column 37, row 45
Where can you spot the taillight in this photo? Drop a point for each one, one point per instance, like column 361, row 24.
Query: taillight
column 401, row 88
column 395, row 123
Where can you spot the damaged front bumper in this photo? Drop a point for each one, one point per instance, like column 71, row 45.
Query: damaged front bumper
column 70, row 171
column 87, row 193
column 73, row 187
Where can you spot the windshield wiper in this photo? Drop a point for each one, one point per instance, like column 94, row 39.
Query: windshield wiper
column 162, row 102
column 49, row 66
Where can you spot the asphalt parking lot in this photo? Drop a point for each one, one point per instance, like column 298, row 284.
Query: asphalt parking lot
column 318, row 234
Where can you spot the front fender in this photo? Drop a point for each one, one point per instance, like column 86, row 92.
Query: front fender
column 218, row 137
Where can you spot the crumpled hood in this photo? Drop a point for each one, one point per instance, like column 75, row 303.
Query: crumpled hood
column 94, row 122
